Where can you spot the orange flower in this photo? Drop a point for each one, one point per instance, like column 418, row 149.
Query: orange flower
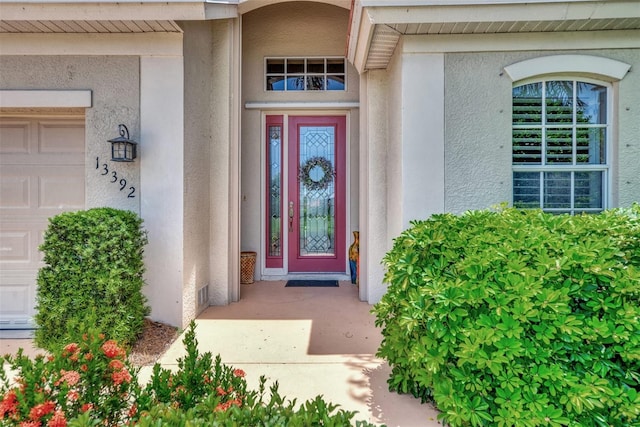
column 41, row 410
column 88, row 357
column 9, row 404
column 86, row 407
column 222, row 406
column 221, row 391
column 111, row 349
column 58, row 420
column 133, row 411
column 120, row 377
column 70, row 377
column 70, row 348
column 30, row 424
column 73, row 395
column 239, row 373
column 84, row 368
column 116, row 365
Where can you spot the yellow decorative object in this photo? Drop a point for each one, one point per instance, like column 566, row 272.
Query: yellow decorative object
column 354, row 257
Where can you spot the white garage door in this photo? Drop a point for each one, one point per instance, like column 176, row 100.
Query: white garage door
column 41, row 175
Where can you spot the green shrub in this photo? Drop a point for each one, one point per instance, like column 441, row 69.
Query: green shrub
column 93, row 273
column 517, row 318
column 90, row 383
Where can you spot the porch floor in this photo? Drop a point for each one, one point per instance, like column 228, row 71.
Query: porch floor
column 313, row 341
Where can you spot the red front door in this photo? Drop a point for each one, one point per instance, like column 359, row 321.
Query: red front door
column 316, row 214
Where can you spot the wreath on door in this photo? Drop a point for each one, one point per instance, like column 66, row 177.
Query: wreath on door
column 322, row 171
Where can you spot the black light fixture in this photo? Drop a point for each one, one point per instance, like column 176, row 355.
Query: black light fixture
column 123, row 149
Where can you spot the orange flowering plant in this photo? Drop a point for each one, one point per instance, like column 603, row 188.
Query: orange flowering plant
column 91, row 383
column 90, row 376
column 198, row 378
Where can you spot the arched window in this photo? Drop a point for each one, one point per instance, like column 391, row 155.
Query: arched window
column 561, row 131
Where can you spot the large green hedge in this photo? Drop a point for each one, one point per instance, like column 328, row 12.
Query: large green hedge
column 517, row 318
column 93, row 274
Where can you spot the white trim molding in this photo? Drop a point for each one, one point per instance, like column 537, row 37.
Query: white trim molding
column 301, row 105
column 45, row 98
column 609, row 69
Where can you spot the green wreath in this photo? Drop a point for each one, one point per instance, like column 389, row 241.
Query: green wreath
column 327, row 173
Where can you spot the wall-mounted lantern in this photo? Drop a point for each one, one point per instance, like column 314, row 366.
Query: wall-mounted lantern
column 123, row 149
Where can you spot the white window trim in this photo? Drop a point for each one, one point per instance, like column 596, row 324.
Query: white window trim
column 596, row 66
column 45, row 98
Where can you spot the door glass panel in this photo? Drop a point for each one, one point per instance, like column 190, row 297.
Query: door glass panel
column 316, row 179
column 275, row 188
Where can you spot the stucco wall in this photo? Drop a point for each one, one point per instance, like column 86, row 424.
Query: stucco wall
column 478, row 128
column 393, row 169
column 115, row 85
column 198, row 69
column 478, row 131
column 627, row 109
column 224, row 208
column 291, row 29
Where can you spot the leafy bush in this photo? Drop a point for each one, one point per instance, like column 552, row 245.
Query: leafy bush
column 90, row 383
column 517, row 318
column 94, row 267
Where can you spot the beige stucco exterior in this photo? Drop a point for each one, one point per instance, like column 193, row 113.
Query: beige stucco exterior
column 427, row 102
column 114, row 84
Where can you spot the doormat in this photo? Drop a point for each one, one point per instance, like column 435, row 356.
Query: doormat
column 312, row 284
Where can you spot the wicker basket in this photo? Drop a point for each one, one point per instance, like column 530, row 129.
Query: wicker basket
column 247, row 267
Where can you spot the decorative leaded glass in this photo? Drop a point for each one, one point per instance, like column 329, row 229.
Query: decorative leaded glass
column 316, row 182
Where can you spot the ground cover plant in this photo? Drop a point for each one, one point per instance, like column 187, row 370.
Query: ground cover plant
column 91, row 383
column 517, row 318
column 94, row 272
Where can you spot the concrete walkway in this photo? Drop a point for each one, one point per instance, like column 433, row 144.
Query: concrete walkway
column 313, row 341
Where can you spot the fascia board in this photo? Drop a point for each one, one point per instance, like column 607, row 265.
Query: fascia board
column 360, row 39
column 83, row 11
column 509, row 12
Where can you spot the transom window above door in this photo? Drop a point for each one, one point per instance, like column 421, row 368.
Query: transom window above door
column 305, row 74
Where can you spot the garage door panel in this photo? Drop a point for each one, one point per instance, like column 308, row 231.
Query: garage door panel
column 14, row 137
column 42, row 174
column 17, row 299
column 61, row 138
column 14, row 246
column 14, row 191
column 20, row 240
column 62, row 192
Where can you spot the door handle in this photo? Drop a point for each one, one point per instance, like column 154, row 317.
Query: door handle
column 290, row 217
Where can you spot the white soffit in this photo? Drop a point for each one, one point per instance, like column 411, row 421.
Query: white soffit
column 383, row 43
column 584, row 64
column 90, row 27
column 45, row 98
column 388, row 20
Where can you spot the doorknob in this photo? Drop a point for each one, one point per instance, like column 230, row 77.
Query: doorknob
column 290, row 217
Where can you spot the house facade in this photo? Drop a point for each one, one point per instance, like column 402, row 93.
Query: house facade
column 280, row 127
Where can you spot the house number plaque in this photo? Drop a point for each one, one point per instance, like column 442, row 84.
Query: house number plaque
column 114, row 178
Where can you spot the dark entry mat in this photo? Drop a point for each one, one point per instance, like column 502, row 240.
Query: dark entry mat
column 312, row 283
